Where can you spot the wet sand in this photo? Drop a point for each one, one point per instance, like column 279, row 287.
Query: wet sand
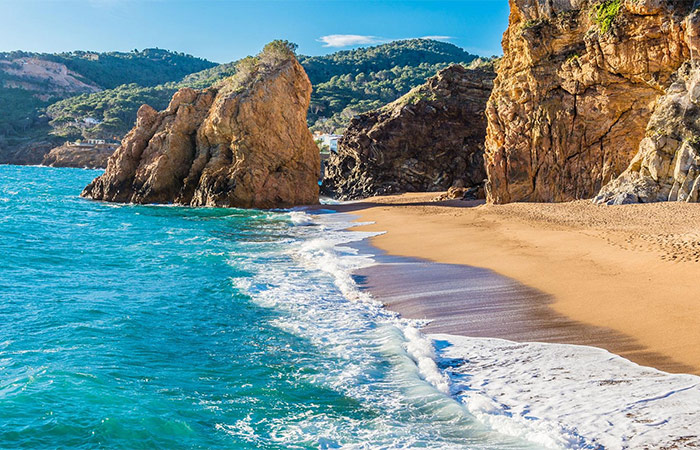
column 626, row 279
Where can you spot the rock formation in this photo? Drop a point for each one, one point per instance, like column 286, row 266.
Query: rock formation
column 243, row 143
column 28, row 154
column 67, row 156
column 667, row 165
column 428, row 140
column 575, row 90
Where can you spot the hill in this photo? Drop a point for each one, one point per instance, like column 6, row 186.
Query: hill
column 346, row 83
column 29, row 82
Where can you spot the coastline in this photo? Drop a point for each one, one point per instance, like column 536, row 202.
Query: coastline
column 484, row 330
column 555, row 266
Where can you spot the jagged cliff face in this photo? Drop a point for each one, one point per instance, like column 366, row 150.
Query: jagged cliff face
column 230, row 146
column 667, row 165
column 575, row 92
column 429, row 140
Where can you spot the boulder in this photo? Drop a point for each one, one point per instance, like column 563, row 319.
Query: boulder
column 428, row 140
column 242, row 143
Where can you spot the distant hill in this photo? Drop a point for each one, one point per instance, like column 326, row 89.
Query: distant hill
column 410, row 52
column 29, row 82
column 351, row 82
column 346, row 83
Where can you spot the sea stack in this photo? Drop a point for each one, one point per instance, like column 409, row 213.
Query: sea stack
column 575, row 90
column 241, row 143
column 430, row 139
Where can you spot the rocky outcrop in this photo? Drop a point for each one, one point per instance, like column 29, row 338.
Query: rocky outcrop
column 26, row 154
column 68, row 156
column 428, row 140
column 575, row 90
column 243, row 143
column 667, row 165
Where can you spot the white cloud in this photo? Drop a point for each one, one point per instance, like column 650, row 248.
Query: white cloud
column 348, row 40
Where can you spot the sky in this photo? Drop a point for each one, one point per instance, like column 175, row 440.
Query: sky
column 227, row 30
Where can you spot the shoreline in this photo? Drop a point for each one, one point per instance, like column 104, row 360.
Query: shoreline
column 544, row 273
column 522, row 369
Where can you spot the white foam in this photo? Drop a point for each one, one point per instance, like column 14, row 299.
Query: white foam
column 299, row 218
column 310, row 285
column 572, row 396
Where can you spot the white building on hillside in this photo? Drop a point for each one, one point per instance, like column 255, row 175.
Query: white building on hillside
column 329, row 140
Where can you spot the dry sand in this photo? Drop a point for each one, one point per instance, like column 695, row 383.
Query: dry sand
column 623, row 278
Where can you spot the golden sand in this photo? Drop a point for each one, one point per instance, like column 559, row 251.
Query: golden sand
column 632, row 269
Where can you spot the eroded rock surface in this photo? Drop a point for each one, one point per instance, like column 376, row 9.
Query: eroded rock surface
column 429, row 140
column 667, row 165
column 575, row 90
column 67, row 156
column 243, row 143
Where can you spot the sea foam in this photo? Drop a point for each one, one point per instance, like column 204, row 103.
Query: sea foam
column 358, row 338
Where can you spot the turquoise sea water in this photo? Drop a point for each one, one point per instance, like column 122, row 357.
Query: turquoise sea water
column 164, row 327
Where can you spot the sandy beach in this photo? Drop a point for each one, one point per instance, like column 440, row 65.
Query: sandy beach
column 620, row 278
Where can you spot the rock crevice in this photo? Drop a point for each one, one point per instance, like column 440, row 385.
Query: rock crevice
column 667, row 164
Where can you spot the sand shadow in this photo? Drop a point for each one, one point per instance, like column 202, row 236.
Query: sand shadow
column 476, row 302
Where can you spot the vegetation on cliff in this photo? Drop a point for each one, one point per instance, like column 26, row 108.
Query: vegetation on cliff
column 604, row 13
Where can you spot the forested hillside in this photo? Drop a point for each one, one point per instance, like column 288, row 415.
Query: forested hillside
column 29, row 82
column 345, row 84
column 350, row 82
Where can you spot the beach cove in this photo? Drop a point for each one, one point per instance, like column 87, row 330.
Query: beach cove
column 622, row 276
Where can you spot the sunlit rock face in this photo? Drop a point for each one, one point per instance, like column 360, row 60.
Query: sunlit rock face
column 243, row 143
column 667, row 165
column 575, row 90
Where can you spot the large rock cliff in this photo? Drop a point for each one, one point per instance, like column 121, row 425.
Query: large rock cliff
column 575, row 90
column 243, row 143
column 667, row 165
column 428, row 140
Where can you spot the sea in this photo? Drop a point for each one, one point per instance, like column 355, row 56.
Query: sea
column 166, row 327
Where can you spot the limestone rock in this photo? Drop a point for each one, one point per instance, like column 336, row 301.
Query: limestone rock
column 243, row 143
column 67, row 156
column 428, row 140
column 573, row 95
column 667, row 165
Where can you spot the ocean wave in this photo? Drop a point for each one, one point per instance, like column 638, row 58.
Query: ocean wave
column 572, row 396
column 357, row 338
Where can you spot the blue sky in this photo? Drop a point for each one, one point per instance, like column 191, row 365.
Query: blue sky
column 226, row 30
